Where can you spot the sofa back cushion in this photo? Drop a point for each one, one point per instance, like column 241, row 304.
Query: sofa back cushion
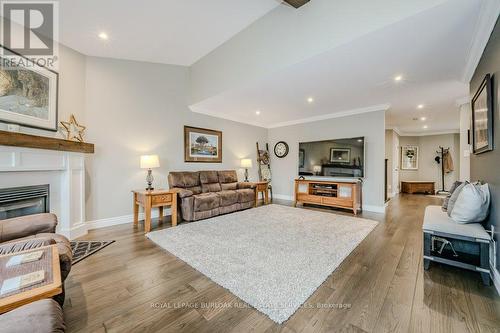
column 185, row 179
column 228, row 179
column 209, row 181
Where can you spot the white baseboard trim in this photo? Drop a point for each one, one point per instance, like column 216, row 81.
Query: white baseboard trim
column 108, row 222
column 495, row 276
column 283, row 196
column 374, row 209
column 75, row 232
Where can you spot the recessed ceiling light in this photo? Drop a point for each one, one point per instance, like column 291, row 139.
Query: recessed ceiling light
column 257, row 112
column 398, row 78
column 420, row 106
column 425, row 127
column 423, row 118
column 103, row 36
column 310, row 100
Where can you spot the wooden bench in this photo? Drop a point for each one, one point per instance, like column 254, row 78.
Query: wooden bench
column 412, row 187
column 471, row 242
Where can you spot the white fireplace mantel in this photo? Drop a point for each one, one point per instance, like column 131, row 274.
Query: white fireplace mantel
column 64, row 172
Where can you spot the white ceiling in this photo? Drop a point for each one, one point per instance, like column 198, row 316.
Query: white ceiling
column 163, row 31
column 429, row 49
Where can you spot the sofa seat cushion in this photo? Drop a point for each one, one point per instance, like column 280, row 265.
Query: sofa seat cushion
column 228, row 198
column 206, row 201
column 246, row 195
column 437, row 220
column 40, row 316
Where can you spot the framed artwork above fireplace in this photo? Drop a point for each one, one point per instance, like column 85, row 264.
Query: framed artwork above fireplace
column 28, row 92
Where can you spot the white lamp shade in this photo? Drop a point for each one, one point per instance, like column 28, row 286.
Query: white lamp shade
column 150, row 161
column 246, row 163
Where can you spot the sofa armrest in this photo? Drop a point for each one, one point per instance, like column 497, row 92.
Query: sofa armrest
column 23, row 245
column 40, row 316
column 183, row 193
column 28, row 225
column 243, row 185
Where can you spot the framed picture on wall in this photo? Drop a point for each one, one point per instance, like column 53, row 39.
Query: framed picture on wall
column 409, row 158
column 482, row 117
column 28, row 92
column 202, row 145
column 340, row 155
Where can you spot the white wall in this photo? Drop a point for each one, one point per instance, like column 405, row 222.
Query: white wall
column 370, row 125
column 71, row 90
column 428, row 169
column 135, row 108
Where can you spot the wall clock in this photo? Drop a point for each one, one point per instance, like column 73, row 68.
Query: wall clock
column 281, row 149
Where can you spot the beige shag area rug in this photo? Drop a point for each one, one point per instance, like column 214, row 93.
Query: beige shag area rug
column 272, row 257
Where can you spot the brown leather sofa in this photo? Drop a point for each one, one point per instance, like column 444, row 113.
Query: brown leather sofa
column 32, row 231
column 44, row 316
column 205, row 194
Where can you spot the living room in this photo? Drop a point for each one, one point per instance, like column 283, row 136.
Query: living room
column 219, row 166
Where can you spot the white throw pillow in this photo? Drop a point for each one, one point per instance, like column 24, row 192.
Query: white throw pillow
column 472, row 204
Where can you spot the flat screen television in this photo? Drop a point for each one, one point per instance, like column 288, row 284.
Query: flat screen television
column 333, row 158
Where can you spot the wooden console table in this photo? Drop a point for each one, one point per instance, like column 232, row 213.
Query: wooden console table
column 151, row 199
column 412, row 187
column 329, row 193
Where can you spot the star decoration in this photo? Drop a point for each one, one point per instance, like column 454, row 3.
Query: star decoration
column 72, row 129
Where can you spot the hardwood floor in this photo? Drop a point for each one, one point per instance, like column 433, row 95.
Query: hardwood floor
column 128, row 286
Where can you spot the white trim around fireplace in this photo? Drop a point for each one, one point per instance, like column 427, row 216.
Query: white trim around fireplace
column 63, row 171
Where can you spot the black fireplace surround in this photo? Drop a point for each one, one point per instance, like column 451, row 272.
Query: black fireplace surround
column 25, row 200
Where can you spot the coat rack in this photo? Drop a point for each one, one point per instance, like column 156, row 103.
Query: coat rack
column 439, row 159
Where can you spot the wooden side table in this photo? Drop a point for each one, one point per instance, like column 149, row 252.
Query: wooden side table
column 151, row 199
column 50, row 287
column 264, row 188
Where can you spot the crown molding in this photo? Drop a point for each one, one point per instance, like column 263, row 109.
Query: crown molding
column 488, row 16
column 428, row 133
column 346, row 113
column 197, row 109
column 382, row 107
column 395, row 129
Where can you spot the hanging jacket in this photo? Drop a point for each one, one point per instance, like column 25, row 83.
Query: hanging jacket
column 447, row 162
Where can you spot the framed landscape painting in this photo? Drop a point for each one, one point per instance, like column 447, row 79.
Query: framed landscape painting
column 340, row 155
column 202, row 145
column 482, row 117
column 28, row 93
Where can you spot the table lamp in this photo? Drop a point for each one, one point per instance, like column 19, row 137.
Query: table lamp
column 246, row 163
column 150, row 162
column 317, row 169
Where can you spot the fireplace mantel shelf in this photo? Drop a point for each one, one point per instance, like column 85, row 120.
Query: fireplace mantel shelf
column 42, row 142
